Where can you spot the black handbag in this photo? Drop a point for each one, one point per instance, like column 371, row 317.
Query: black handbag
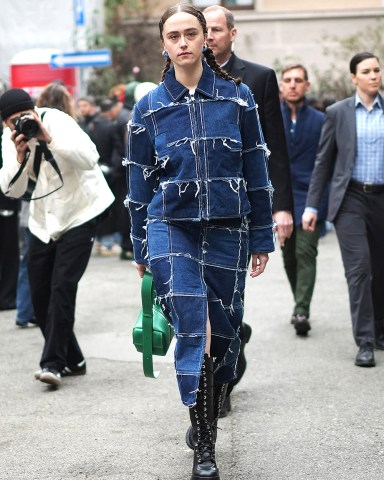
column 152, row 333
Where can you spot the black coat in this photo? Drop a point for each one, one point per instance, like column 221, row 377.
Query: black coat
column 262, row 81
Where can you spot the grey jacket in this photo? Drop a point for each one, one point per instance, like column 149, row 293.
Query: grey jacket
column 335, row 157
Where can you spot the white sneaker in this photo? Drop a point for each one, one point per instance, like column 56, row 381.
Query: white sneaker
column 50, row 376
column 37, row 374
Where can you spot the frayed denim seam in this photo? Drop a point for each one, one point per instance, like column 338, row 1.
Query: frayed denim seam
column 188, row 101
column 202, row 263
column 235, row 306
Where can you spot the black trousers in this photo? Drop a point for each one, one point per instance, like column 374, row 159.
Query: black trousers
column 55, row 270
column 360, row 230
column 9, row 260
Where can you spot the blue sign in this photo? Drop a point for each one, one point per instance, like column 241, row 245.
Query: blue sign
column 78, row 6
column 90, row 58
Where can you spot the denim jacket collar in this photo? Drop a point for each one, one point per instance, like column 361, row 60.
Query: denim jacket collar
column 206, row 84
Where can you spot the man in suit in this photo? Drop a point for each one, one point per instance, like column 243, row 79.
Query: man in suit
column 263, row 83
column 302, row 125
column 351, row 153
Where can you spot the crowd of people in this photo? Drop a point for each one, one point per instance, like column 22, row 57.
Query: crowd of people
column 105, row 122
column 205, row 199
column 56, row 208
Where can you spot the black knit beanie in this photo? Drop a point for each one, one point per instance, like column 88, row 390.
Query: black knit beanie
column 13, row 101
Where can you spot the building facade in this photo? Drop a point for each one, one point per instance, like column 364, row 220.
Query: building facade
column 279, row 31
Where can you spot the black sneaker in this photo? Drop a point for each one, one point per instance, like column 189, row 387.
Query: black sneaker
column 50, row 376
column 22, row 324
column 79, row 369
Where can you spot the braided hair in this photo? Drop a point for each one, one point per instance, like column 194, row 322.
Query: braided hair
column 208, row 53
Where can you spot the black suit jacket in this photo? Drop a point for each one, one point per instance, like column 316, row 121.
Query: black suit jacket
column 262, row 81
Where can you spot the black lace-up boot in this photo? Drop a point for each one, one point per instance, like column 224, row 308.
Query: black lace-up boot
column 202, row 420
column 219, row 392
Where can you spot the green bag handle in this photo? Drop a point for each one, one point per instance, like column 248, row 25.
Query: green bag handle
column 147, row 299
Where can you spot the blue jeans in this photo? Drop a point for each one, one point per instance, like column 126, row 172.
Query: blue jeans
column 199, row 271
column 24, row 306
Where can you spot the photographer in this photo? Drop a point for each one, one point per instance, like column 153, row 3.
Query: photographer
column 70, row 196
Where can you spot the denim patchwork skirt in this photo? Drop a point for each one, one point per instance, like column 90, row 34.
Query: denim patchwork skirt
column 199, row 270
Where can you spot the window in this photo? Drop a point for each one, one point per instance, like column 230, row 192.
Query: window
column 224, row 3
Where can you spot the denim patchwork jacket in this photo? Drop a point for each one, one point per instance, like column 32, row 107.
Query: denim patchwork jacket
column 201, row 156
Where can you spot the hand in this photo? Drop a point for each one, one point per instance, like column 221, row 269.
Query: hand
column 141, row 269
column 21, row 145
column 21, row 142
column 309, row 220
column 259, row 262
column 43, row 133
column 284, row 225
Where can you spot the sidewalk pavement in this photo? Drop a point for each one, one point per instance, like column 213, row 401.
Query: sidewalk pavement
column 302, row 410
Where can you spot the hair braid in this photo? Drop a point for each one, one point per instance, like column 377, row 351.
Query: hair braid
column 211, row 60
column 166, row 68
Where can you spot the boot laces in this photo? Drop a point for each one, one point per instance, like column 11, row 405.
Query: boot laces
column 205, row 451
column 205, row 446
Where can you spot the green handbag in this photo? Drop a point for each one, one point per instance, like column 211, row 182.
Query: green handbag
column 152, row 333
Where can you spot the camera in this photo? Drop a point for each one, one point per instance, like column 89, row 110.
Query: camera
column 26, row 125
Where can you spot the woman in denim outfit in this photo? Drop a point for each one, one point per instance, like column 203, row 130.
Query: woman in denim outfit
column 199, row 197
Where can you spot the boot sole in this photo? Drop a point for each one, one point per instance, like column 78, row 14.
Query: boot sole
column 216, row 477
column 50, row 380
column 189, row 439
column 365, row 364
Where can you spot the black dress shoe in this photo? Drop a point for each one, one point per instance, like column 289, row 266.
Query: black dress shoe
column 245, row 335
column 226, row 407
column 365, row 356
column 302, row 325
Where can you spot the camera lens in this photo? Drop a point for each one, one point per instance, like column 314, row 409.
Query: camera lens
column 29, row 127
